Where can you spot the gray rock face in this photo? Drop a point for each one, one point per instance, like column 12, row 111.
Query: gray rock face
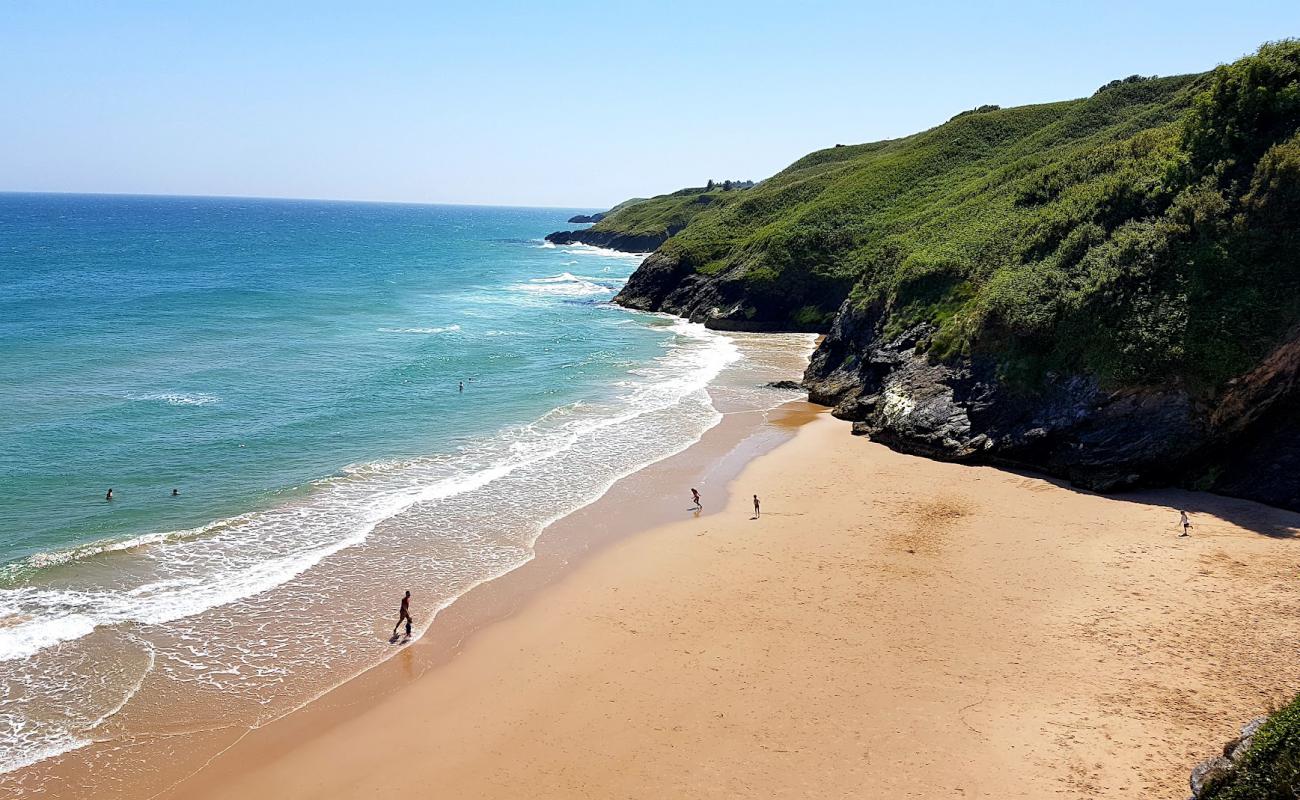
column 1068, row 426
column 1215, row 767
column 1207, row 770
column 727, row 300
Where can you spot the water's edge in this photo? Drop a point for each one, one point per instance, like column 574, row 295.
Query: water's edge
column 709, row 461
column 713, row 461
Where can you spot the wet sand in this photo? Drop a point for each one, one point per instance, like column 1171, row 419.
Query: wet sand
column 891, row 626
column 131, row 765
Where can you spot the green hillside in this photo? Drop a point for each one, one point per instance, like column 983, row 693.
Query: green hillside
column 664, row 214
column 1145, row 233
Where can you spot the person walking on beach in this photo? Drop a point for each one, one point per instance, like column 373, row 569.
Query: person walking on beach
column 695, row 497
column 1185, row 522
column 756, row 510
column 404, row 614
column 109, row 496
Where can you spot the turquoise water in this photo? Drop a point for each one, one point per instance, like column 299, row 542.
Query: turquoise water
column 294, row 370
column 234, row 348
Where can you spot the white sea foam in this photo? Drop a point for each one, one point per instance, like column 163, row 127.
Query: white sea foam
column 178, row 398
column 481, row 508
column 579, row 249
column 224, row 561
column 566, row 284
column 444, row 329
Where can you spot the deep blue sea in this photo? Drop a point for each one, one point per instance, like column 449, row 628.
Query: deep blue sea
column 294, row 370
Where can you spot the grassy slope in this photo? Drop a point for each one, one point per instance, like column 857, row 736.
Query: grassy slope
column 660, row 215
column 1126, row 234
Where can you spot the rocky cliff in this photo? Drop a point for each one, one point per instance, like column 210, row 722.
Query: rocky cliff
column 611, row 239
column 1243, row 442
column 1105, row 289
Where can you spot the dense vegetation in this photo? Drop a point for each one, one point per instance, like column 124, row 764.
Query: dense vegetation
column 1144, row 234
column 666, row 213
column 1270, row 770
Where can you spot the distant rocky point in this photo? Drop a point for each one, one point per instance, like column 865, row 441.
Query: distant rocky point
column 611, row 240
column 584, row 219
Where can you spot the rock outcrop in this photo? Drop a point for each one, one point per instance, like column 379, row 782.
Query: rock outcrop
column 613, row 240
column 587, row 219
column 1216, row 767
column 961, row 410
column 728, row 300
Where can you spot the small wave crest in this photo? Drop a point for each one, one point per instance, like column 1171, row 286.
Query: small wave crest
column 177, row 398
column 579, row 249
column 566, row 284
column 430, row 331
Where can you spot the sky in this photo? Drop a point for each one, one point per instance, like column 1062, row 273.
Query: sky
column 577, row 105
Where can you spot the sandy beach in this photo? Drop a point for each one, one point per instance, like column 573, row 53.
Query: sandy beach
column 891, row 626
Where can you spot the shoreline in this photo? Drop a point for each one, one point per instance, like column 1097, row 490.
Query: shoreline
column 902, row 627
column 719, row 454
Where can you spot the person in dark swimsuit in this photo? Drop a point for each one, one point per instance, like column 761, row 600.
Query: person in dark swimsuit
column 695, row 496
column 756, row 514
column 109, row 496
column 404, row 615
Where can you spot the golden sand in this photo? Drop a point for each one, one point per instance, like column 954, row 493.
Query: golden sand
column 891, row 627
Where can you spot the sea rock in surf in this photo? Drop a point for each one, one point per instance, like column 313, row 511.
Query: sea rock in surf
column 583, row 219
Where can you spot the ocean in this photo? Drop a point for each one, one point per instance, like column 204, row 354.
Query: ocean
column 349, row 399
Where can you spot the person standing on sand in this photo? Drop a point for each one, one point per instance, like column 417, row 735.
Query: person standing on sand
column 404, row 614
column 695, row 496
column 1185, row 522
column 756, row 512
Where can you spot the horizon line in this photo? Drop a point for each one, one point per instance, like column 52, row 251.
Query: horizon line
column 293, row 199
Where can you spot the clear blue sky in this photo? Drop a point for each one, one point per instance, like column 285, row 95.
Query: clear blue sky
column 572, row 104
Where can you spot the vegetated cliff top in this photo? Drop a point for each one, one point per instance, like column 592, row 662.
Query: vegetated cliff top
column 1143, row 234
column 663, row 214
